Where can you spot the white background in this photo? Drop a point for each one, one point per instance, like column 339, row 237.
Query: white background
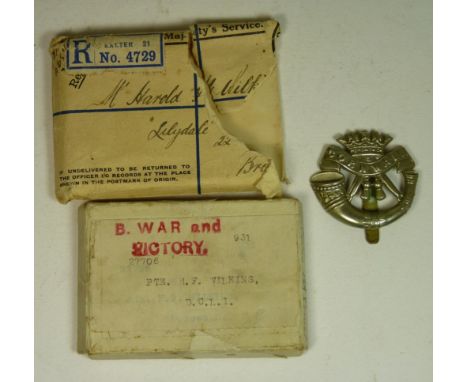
column 343, row 65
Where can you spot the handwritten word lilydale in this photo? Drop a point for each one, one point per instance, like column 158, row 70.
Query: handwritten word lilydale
column 170, row 132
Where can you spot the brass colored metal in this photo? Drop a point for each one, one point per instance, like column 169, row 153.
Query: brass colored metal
column 367, row 162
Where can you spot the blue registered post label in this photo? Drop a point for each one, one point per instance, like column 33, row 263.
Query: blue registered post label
column 115, row 51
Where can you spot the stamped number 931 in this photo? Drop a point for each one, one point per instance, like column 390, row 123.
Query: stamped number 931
column 241, row 237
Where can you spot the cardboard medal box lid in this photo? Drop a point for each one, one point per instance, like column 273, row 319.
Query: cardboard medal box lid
column 191, row 279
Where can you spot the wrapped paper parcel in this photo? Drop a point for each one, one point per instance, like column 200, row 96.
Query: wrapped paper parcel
column 183, row 113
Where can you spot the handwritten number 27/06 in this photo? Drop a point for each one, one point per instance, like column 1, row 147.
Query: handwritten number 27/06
column 143, row 56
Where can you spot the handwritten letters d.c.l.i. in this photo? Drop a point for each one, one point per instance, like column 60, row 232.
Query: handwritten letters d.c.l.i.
column 184, row 113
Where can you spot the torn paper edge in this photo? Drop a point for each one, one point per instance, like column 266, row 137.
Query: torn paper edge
column 269, row 182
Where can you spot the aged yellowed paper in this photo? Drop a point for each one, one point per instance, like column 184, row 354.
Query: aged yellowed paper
column 181, row 113
column 191, row 279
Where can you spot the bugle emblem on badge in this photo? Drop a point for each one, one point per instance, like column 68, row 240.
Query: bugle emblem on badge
column 366, row 162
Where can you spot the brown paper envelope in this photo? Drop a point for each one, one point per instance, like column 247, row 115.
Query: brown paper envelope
column 168, row 113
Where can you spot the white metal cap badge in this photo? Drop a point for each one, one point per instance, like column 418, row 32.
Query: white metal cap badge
column 367, row 163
